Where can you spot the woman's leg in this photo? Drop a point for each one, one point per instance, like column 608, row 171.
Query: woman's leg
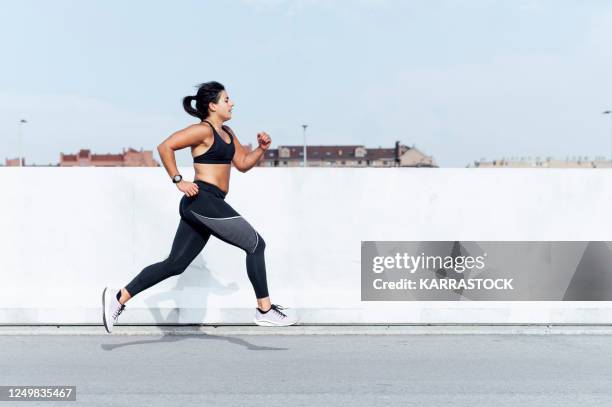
column 188, row 243
column 223, row 222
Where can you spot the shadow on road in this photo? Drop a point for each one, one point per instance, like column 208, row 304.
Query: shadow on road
column 176, row 338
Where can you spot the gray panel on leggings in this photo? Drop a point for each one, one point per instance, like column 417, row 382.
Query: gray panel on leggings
column 234, row 229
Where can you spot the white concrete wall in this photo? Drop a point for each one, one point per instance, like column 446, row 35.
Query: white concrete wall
column 65, row 233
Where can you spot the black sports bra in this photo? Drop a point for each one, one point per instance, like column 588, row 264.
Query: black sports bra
column 220, row 152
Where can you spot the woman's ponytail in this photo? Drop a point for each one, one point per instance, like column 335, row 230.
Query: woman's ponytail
column 187, row 100
column 207, row 92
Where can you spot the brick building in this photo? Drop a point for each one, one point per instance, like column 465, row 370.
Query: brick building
column 14, row 162
column 128, row 158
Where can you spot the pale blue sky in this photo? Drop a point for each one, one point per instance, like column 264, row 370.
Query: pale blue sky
column 459, row 79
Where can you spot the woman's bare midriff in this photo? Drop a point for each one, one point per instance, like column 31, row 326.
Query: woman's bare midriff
column 216, row 174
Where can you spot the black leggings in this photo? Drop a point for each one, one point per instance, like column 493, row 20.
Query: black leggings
column 203, row 215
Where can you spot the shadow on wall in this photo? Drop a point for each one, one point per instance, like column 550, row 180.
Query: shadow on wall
column 196, row 280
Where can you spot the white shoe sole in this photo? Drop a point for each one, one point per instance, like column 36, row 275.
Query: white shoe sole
column 105, row 320
column 269, row 323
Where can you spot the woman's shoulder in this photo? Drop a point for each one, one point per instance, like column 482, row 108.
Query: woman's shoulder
column 201, row 129
column 193, row 134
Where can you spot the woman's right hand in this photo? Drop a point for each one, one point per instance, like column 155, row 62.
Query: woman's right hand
column 188, row 188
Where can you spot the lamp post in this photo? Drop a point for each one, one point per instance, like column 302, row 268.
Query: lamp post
column 21, row 123
column 304, row 126
column 609, row 113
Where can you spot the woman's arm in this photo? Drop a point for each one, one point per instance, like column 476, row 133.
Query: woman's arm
column 192, row 135
column 245, row 161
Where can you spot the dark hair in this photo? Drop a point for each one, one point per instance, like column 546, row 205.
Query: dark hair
column 207, row 92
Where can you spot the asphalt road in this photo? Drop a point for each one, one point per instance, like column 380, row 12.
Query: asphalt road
column 314, row 370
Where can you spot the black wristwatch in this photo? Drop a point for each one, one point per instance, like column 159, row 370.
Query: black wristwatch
column 177, row 178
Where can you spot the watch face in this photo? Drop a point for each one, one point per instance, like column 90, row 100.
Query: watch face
column 177, row 178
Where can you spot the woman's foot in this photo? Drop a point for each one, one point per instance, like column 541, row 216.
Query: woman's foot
column 111, row 308
column 276, row 315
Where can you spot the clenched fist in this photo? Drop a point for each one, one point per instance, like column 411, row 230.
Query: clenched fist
column 264, row 140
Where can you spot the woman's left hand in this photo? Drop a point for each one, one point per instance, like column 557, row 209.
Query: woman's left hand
column 264, row 140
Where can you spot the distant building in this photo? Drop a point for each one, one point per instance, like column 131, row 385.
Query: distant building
column 14, row 162
column 548, row 162
column 346, row 156
column 128, row 158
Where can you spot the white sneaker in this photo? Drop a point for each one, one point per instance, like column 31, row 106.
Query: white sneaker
column 275, row 316
column 111, row 308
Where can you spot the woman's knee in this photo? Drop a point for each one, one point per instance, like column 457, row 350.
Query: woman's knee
column 174, row 267
column 261, row 244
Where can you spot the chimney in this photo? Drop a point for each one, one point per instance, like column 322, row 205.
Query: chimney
column 397, row 153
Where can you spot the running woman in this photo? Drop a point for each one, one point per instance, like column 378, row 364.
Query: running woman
column 203, row 209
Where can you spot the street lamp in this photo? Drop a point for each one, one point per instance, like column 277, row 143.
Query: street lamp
column 304, row 126
column 609, row 112
column 21, row 123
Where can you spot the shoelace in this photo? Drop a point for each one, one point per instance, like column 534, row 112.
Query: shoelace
column 118, row 311
column 277, row 309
